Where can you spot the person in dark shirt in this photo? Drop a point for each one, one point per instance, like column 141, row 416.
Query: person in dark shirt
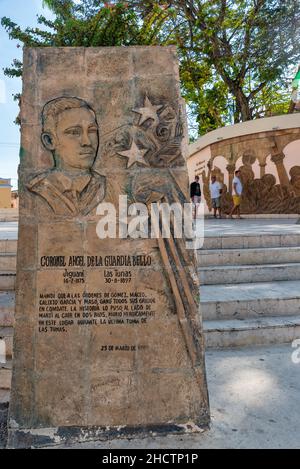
column 195, row 193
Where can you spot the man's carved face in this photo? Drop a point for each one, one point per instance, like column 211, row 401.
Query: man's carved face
column 76, row 139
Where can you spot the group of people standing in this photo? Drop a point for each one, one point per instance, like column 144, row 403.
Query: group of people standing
column 215, row 188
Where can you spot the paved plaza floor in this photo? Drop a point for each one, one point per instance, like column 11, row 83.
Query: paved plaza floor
column 212, row 227
column 251, row 227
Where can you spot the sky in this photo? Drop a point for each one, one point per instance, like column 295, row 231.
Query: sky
column 24, row 13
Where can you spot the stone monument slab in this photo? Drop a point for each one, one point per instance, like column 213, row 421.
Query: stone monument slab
column 108, row 336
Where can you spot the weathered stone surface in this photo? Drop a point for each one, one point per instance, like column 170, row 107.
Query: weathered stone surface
column 107, row 339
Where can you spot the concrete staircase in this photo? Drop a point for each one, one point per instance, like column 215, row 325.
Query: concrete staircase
column 7, row 304
column 250, row 289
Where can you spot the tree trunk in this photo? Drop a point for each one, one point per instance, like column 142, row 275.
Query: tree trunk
column 242, row 104
column 291, row 107
column 236, row 114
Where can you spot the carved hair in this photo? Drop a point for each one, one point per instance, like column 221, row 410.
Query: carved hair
column 269, row 180
column 295, row 173
column 53, row 108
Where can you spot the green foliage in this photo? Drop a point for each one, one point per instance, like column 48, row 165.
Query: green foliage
column 15, row 70
column 81, row 24
column 245, row 45
column 206, row 94
column 233, row 54
column 89, row 23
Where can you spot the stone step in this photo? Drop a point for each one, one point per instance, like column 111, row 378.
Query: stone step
column 7, row 307
column 8, row 261
column 251, row 256
column 7, row 280
column 7, row 365
column 6, row 334
column 265, row 240
column 4, row 399
column 250, row 300
column 214, row 242
column 263, row 331
column 5, row 381
column 8, row 245
column 9, row 214
column 231, row 274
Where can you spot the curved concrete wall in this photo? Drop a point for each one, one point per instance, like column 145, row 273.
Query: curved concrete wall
column 267, row 124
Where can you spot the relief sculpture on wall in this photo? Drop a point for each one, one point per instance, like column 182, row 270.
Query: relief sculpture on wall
column 260, row 195
column 153, row 142
column 70, row 132
column 157, row 133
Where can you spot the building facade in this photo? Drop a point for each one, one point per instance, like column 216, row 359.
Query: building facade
column 5, row 193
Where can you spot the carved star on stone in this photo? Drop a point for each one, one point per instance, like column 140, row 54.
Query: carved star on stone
column 149, row 111
column 135, row 155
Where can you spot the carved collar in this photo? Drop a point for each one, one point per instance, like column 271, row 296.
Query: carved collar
column 65, row 182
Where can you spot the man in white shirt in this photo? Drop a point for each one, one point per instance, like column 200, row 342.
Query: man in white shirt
column 215, row 195
column 236, row 195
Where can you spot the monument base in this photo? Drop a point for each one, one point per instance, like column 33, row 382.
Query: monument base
column 43, row 437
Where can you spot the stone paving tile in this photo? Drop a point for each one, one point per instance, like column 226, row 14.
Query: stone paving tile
column 9, row 230
column 248, row 291
column 248, row 227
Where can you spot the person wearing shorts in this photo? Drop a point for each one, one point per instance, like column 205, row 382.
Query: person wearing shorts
column 215, row 195
column 195, row 193
column 236, row 196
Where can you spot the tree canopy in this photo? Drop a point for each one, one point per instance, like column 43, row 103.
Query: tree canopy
column 234, row 54
column 237, row 50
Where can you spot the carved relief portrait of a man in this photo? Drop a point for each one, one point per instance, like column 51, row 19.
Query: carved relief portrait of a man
column 70, row 132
